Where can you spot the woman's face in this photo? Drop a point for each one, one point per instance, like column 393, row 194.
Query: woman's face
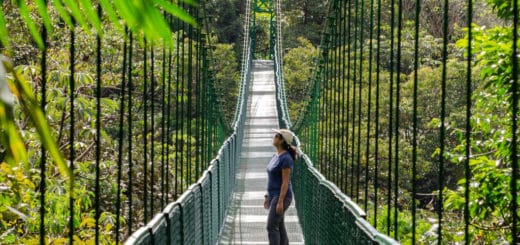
column 277, row 140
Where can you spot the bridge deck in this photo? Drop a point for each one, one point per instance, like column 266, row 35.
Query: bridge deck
column 246, row 218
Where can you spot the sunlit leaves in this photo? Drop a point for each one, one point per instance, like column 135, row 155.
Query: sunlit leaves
column 503, row 8
column 46, row 18
column 31, row 108
column 24, row 12
column 490, row 163
column 141, row 16
column 3, row 31
column 9, row 136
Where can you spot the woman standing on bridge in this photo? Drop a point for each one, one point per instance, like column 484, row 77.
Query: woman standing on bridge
column 279, row 191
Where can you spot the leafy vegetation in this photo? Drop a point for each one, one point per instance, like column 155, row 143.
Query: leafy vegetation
column 490, row 164
column 25, row 128
column 22, row 134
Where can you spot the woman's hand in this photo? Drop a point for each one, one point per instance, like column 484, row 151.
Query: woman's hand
column 279, row 208
column 266, row 203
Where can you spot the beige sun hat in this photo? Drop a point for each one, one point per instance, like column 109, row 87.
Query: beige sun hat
column 287, row 135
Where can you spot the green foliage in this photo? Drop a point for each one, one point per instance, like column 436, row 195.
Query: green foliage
column 21, row 121
column 494, row 51
column 425, row 225
column 226, row 21
column 20, row 202
column 227, row 78
column 490, row 163
column 298, row 73
column 31, row 108
column 503, row 8
column 338, row 151
column 302, row 19
column 262, row 36
column 141, row 17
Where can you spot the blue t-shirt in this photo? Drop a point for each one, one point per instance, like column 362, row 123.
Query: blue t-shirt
column 274, row 174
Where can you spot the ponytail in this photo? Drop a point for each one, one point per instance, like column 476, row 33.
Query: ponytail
column 291, row 149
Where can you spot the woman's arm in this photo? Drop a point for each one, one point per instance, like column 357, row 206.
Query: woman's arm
column 286, row 174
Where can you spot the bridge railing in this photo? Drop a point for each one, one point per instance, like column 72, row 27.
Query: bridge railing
column 197, row 216
column 326, row 215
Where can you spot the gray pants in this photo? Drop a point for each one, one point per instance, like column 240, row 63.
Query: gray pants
column 275, row 223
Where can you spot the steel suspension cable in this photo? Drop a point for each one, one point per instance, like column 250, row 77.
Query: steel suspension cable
column 189, row 97
column 321, row 111
column 204, row 123
column 332, row 153
column 376, row 146
column 130, row 132
column 184, row 172
column 321, row 116
column 169, row 117
column 207, row 115
column 198, row 46
column 328, row 96
column 442, row 133
column 369, row 109
column 334, row 91
column 397, row 117
column 163, row 126
column 208, row 110
column 337, row 92
column 328, row 99
column 97, row 190
column 72, row 88
column 120, row 137
column 354, row 164
column 153, row 88
column 390, row 118
column 348, row 178
column 315, row 105
column 415, row 118
column 43, row 153
column 514, row 127
column 467, row 135
column 177, row 115
column 344, row 78
column 145, row 131
column 360, row 96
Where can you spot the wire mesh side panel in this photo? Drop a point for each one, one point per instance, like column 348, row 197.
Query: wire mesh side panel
column 221, row 193
column 205, row 186
column 234, row 164
column 342, row 227
column 328, row 216
column 197, row 216
column 305, row 189
column 215, row 206
column 225, row 177
column 297, row 186
column 188, row 216
column 173, row 212
column 159, row 229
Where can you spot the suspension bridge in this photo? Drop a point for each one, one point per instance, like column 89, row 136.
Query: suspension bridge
column 225, row 205
column 183, row 174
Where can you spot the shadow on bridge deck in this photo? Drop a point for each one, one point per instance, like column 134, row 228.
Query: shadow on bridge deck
column 246, row 218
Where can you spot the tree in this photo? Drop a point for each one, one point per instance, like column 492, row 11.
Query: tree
column 297, row 73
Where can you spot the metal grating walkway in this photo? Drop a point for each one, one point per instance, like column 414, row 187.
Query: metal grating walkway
column 246, row 218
